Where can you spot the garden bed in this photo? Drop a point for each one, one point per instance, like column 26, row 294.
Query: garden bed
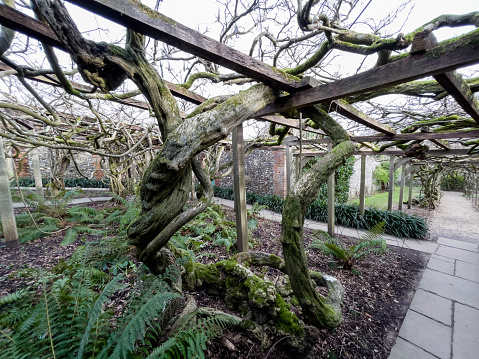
column 376, row 300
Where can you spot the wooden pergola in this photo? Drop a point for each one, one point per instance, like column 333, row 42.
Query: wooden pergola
column 425, row 59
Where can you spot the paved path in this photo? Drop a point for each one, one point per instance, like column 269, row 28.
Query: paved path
column 456, row 218
column 443, row 318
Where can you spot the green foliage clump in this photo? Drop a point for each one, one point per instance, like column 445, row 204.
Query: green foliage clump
column 452, row 182
column 72, row 311
column 370, row 243
column 381, row 175
column 69, row 182
column 342, row 175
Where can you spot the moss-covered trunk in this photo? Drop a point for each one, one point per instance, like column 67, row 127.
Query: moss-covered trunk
column 323, row 312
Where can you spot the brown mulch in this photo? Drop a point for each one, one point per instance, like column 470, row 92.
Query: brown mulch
column 376, row 299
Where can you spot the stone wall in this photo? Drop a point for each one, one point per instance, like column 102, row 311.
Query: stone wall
column 264, row 170
column 88, row 164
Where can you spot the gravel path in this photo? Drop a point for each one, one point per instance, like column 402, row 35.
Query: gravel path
column 455, row 218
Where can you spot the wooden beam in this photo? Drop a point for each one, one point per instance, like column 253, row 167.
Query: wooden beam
column 459, row 53
column 451, row 81
column 162, row 28
column 441, row 144
column 401, row 162
column 280, row 120
column 354, row 114
column 455, row 152
column 239, row 190
column 416, row 136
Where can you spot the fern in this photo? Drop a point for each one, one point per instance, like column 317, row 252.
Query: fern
column 371, row 242
column 84, row 215
column 190, row 341
column 95, row 312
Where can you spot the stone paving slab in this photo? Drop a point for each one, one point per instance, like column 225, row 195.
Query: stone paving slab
column 458, row 244
column 405, row 350
column 456, row 253
column 466, row 332
column 451, row 287
column 428, row 334
column 467, row 271
column 441, row 265
column 432, row 306
column 445, row 259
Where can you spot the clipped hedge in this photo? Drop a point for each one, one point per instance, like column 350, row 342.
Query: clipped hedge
column 396, row 223
column 69, row 182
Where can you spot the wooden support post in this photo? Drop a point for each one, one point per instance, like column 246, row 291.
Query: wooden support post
column 401, row 188
column 37, row 174
column 240, row 190
column 411, row 181
column 331, row 201
column 362, row 186
column 289, row 160
column 7, row 215
column 391, row 183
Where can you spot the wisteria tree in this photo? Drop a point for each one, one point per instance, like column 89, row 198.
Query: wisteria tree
column 298, row 40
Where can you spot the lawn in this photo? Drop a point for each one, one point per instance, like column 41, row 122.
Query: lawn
column 380, row 200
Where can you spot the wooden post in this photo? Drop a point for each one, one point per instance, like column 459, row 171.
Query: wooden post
column 7, row 215
column 240, row 190
column 289, row 160
column 331, row 218
column 362, row 186
column 411, row 180
column 401, row 188
column 37, row 174
column 391, row 183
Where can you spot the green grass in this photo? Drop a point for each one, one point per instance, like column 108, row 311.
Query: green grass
column 380, row 200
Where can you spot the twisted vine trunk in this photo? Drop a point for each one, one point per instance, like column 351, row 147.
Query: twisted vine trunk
column 323, row 312
column 166, row 183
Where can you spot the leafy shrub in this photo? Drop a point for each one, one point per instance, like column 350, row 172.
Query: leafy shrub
column 452, row 182
column 69, row 182
column 398, row 224
column 342, row 175
column 370, row 243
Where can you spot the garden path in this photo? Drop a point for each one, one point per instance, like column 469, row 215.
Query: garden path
column 443, row 318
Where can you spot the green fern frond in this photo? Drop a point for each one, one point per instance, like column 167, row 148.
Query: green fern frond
column 13, row 297
column 135, row 330
column 190, row 341
column 113, row 286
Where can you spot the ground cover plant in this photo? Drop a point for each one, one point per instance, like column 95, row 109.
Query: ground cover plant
column 100, row 272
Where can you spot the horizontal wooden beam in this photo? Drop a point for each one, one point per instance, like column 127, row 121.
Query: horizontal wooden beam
column 137, row 17
column 454, row 54
column 280, row 120
column 455, row 152
column 354, row 114
column 417, row 136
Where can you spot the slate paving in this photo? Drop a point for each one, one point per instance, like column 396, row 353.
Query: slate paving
column 443, row 318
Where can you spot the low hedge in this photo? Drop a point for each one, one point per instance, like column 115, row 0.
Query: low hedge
column 69, row 182
column 396, row 223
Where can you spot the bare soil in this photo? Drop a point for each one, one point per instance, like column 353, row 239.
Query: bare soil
column 376, row 299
